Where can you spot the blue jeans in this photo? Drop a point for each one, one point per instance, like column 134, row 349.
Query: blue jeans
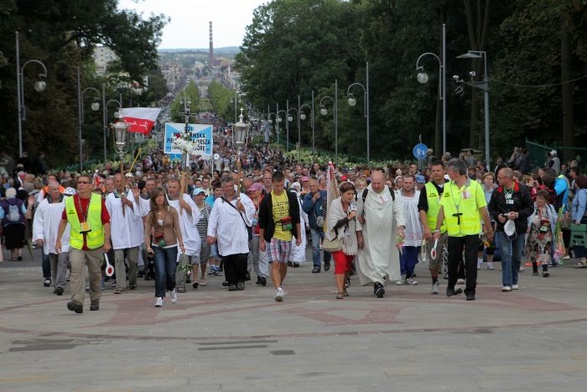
column 165, row 264
column 46, row 266
column 317, row 237
column 511, row 257
column 408, row 260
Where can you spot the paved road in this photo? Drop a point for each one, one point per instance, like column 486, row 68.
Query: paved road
column 213, row 340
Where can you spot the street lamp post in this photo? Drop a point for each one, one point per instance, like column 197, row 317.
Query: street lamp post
column 302, row 117
column 423, row 79
column 240, row 131
column 484, row 85
column 95, row 107
column 40, row 86
column 352, row 102
column 324, row 112
column 278, row 121
column 105, row 116
column 286, row 126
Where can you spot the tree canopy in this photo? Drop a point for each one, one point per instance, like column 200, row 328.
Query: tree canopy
column 535, row 54
column 63, row 35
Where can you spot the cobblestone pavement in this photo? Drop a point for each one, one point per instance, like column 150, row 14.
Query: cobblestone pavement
column 532, row 339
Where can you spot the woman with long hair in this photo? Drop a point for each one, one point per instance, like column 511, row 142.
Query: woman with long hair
column 162, row 235
column 341, row 224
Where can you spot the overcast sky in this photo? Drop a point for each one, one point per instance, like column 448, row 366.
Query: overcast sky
column 188, row 28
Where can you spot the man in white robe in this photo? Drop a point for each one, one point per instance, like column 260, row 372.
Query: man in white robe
column 189, row 216
column 45, row 228
column 127, row 232
column 231, row 215
column 381, row 221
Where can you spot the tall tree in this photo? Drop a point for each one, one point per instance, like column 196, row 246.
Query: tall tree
column 63, row 34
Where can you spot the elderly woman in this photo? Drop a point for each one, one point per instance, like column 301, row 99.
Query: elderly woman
column 12, row 215
column 341, row 224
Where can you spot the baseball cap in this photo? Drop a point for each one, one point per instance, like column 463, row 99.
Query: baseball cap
column 255, row 187
column 420, row 178
column 304, row 179
column 197, row 191
column 69, row 191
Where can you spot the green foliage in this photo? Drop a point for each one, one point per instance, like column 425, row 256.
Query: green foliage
column 63, row 35
column 189, row 96
column 221, row 99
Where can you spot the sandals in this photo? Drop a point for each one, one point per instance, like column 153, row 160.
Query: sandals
column 342, row 294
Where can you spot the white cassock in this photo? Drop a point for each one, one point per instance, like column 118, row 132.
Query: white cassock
column 298, row 253
column 227, row 226
column 378, row 261
column 413, row 231
column 187, row 225
column 46, row 225
column 126, row 231
column 144, row 205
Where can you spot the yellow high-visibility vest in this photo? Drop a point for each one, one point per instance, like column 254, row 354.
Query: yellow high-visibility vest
column 461, row 208
column 95, row 237
column 433, row 199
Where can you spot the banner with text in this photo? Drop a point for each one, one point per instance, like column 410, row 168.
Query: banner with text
column 201, row 136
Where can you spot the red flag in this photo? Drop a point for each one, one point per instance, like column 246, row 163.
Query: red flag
column 141, row 120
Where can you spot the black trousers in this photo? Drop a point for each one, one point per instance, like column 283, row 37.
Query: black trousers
column 456, row 245
column 235, row 267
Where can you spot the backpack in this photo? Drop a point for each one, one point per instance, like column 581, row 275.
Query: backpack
column 13, row 213
column 366, row 191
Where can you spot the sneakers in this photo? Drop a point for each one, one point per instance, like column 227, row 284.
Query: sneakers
column 515, row 287
column 326, row 266
column 232, row 287
column 75, row 307
column 545, row 274
column 173, row 295
column 460, row 281
column 315, row 270
column 182, row 289
column 378, row 290
column 435, row 288
column 58, row 290
column 240, row 285
column 401, row 281
column 506, row 289
column 411, row 282
column 95, row 305
column 263, row 281
column 279, row 294
column 47, row 282
column 490, row 266
column 159, row 302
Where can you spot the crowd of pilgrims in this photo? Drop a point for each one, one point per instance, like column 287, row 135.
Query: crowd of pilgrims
column 189, row 195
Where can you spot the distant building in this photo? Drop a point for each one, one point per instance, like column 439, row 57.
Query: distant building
column 103, row 55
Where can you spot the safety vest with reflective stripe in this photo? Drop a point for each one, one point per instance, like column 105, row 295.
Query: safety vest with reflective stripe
column 461, row 208
column 95, row 237
column 433, row 199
